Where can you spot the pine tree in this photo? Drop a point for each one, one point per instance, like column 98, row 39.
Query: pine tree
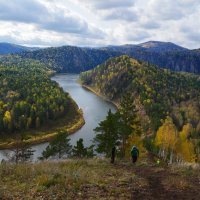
column 58, row 147
column 79, row 150
column 108, row 134
column 22, row 152
column 129, row 122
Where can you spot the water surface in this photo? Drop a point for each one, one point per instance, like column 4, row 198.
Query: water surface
column 94, row 109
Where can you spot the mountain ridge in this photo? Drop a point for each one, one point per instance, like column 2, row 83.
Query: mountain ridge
column 73, row 59
column 9, row 48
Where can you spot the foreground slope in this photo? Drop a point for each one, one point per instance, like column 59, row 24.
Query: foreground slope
column 156, row 92
column 98, row 179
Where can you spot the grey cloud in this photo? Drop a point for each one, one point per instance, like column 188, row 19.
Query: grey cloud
column 21, row 10
column 122, row 14
column 109, row 4
column 58, row 20
column 193, row 36
column 137, row 35
column 172, row 10
column 150, row 25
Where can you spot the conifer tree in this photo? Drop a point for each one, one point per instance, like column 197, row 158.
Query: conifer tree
column 58, row 147
column 79, row 150
column 107, row 134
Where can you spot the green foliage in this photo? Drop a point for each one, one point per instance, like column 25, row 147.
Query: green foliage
column 58, row 147
column 70, row 59
column 108, row 134
column 160, row 92
column 79, row 151
column 22, row 152
column 28, row 97
column 117, row 127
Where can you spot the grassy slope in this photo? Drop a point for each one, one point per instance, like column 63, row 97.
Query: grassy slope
column 98, row 179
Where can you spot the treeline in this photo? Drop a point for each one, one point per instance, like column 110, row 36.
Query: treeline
column 172, row 58
column 28, row 97
column 69, row 58
column 156, row 93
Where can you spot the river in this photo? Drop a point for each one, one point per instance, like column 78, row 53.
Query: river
column 94, row 109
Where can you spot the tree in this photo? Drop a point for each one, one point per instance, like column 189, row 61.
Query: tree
column 107, row 134
column 129, row 122
column 185, row 148
column 7, row 120
column 166, row 139
column 22, row 151
column 58, row 147
column 79, row 150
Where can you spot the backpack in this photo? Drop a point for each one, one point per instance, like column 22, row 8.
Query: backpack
column 134, row 152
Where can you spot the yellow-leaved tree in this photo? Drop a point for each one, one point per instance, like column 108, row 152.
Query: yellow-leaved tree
column 166, row 139
column 185, row 147
column 7, row 120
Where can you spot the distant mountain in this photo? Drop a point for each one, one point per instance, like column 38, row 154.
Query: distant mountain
column 70, row 59
column 152, row 46
column 163, row 54
column 157, row 46
column 8, row 48
column 78, row 59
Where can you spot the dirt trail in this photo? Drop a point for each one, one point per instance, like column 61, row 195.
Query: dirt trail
column 163, row 184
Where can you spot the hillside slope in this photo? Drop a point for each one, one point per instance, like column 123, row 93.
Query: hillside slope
column 98, row 179
column 156, row 91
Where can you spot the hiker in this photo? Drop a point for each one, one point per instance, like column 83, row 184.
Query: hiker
column 134, row 154
column 113, row 154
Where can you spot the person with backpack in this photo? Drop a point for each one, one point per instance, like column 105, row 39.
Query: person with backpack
column 134, row 154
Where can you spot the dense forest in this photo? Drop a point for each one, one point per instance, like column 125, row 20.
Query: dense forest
column 162, row 97
column 78, row 59
column 163, row 55
column 70, row 59
column 29, row 98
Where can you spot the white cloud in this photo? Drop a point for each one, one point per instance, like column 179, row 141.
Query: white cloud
column 99, row 22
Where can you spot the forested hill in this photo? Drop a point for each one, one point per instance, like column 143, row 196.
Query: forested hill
column 73, row 59
column 157, row 92
column 29, row 99
column 163, row 54
column 70, row 59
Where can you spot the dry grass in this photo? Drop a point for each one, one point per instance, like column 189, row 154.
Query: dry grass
column 74, row 178
column 95, row 179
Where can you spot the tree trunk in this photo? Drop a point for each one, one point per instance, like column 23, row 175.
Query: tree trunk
column 171, row 156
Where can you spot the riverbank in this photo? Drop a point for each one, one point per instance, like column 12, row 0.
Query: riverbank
column 47, row 133
column 116, row 104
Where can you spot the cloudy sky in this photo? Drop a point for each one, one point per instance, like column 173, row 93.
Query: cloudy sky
column 99, row 22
